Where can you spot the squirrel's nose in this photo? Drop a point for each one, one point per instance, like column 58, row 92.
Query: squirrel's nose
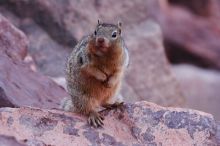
column 100, row 40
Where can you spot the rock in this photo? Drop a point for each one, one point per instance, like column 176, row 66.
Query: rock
column 143, row 39
column 9, row 141
column 149, row 75
column 60, row 81
column 19, row 85
column 13, row 41
column 73, row 19
column 46, row 13
column 142, row 123
column 200, row 87
column 48, row 55
column 194, row 35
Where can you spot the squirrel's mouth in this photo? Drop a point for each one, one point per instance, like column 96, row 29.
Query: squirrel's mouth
column 101, row 50
column 102, row 47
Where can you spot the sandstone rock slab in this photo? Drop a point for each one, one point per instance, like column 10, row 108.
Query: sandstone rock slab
column 142, row 123
column 200, row 87
column 20, row 86
column 149, row 75
column 191, row 31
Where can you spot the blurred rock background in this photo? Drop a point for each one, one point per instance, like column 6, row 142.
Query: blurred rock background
column 174, row 47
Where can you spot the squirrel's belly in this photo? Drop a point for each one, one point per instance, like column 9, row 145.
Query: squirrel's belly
column 99, row 90
column 91, row 87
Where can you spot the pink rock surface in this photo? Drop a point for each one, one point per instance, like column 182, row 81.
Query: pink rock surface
column 142, row 123
column 19, row 85
column 13, row 41
column 149, row 76
column 191, row 30
column 201, row 88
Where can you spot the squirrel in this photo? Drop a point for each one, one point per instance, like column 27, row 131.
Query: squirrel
column 94, row 72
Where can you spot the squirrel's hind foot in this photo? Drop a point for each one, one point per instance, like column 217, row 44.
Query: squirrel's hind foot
column 116, row 105
column 95, row 119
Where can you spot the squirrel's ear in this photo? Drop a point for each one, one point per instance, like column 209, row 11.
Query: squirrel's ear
column 119, row 26
column 99, row 22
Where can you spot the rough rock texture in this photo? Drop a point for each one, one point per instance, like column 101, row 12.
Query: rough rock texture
column 139, row 124
column 193, row 36
column 9, row 141
column 13, row 41
column 201, row 88
column 191, row 30
column 46, row 13
column 48, row 55
column 148, row 78
column 73, row 19
column 19, row 85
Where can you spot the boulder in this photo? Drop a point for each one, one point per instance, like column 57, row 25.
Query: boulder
column 13, row 41
column 19, row 85
column 191, row 31
column 138, row 124
column 149, row 76
column 200, row 87
column 46, row 13
column 70, row 20
column 48, row 55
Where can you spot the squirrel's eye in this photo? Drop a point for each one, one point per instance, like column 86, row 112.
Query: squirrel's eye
column 95, row 32
column 114, row 34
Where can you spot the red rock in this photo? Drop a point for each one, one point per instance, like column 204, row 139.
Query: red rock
column 48, row 55
column 200, row 87
column 46, row 13
column 191, row 31
column 13, row 41
column 20, row 86
column 149, row 75
column 142, row 123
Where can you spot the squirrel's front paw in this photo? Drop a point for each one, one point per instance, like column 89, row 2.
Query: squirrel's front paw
column 111, row 81
column 101, row 77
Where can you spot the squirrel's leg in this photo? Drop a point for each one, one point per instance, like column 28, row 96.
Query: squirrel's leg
column 115, row 103
column 67, row 104
column 87, row 106
column 99, row 75
column 94, row 118
column 113, row 106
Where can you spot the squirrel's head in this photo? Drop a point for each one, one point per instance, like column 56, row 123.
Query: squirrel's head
column 106, row 37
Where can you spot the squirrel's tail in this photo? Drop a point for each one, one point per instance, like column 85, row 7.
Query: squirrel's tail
column 67, row 104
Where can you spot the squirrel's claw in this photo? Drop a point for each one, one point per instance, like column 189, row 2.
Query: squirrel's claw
column 95, row 120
